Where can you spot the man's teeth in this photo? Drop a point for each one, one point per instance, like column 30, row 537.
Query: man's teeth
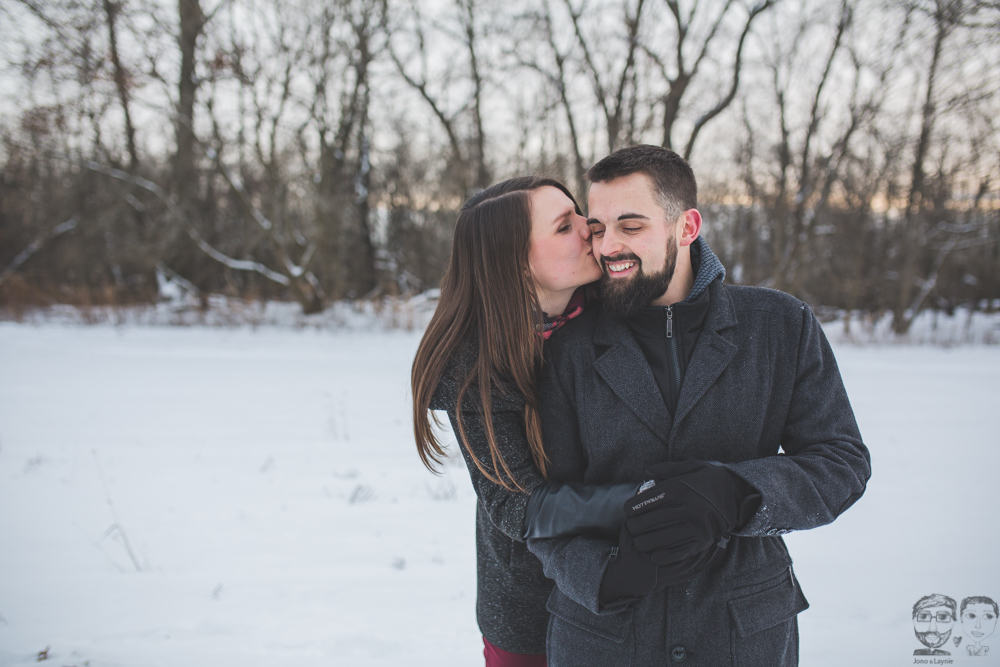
column 621, row 266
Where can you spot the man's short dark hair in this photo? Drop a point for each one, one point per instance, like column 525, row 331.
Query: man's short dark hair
column 935, row 600
column 676, row 188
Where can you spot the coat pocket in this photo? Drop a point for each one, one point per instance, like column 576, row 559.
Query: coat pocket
column 576, row 636
column 765, row 629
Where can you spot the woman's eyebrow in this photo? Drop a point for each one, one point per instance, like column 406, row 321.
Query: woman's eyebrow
column 562, row 216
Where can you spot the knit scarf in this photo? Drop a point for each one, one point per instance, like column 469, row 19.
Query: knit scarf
column 573, row 308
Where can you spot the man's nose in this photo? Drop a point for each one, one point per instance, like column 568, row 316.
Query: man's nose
column 610, row 244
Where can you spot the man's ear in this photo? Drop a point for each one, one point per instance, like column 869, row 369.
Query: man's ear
column 690, row 226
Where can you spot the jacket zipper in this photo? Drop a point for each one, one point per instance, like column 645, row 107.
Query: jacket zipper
column 672, row 342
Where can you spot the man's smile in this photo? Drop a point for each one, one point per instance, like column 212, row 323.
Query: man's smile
column 620, row 269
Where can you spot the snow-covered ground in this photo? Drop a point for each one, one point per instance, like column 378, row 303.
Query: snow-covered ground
column 205, row 496
column 931, row 327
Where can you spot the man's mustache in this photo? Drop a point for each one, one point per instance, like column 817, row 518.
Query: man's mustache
column 933, row 638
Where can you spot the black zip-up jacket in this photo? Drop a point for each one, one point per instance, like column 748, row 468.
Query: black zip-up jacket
column 667, row 334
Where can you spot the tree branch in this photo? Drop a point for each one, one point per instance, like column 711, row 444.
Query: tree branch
column 724, row 103
column 37, row 245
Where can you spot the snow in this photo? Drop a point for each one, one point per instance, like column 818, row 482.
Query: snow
column 267, row 483
column 180, row 308
column 931, row 327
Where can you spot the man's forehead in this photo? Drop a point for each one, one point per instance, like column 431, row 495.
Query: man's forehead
column 625, row 193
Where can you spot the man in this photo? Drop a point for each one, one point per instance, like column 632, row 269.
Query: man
column 933, row 620
column 675, row 365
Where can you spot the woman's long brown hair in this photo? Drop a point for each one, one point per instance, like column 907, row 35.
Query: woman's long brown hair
column 487, row 295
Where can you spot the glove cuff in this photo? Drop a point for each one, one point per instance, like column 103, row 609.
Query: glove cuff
column 556, row 509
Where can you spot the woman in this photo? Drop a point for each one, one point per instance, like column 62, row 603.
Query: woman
column 521, row 253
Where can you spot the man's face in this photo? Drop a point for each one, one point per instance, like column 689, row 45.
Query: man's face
column 932, row 625
column 633, row 241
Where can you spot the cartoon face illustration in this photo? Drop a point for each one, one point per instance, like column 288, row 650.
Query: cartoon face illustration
column 933, row 620
column 979, row 618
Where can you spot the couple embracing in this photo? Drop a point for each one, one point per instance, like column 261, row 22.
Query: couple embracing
column 639, row 433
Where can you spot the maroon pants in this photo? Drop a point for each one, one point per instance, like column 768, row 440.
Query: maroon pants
column 497, row 657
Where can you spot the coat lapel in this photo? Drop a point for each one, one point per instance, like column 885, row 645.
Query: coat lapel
column 626, row 371
column 712, row 353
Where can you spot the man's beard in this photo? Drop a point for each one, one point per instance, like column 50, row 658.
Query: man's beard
column 933, row 639
column 624, row 297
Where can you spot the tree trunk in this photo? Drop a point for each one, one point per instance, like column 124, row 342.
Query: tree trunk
column 902, row 316
column 192, row 21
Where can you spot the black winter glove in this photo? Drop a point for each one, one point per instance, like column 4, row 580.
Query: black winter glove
column 629, row 576
column 689, row 513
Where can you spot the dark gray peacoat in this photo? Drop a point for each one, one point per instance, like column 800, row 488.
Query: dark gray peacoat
column 763, row 396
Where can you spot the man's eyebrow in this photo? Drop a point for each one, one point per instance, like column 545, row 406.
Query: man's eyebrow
column 623, row 216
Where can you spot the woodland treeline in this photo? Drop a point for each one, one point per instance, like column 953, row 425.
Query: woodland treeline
column 848, row 151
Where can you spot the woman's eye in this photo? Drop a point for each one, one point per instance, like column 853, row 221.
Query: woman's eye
column 565, row 228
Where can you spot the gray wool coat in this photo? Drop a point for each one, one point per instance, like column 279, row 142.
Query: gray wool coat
column 511, row 590
column 763, row 396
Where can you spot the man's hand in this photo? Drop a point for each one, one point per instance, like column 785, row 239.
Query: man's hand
column 689, row 513
column 629, row 576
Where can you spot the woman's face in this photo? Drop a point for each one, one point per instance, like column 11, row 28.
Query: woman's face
column 979, row 621
column 560, row 258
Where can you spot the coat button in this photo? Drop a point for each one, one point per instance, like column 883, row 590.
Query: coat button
column 678, row 653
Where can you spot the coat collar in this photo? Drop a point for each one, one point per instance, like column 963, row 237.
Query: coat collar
column 721, row 315
column 712, row 353
column 624, row 368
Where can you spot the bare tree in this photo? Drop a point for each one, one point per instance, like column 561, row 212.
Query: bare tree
column 420, row 68
column 806, row 166
column 679, row 69
column 554, row 63
column 612, row 79
column 946, row 20
column 305, row 151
